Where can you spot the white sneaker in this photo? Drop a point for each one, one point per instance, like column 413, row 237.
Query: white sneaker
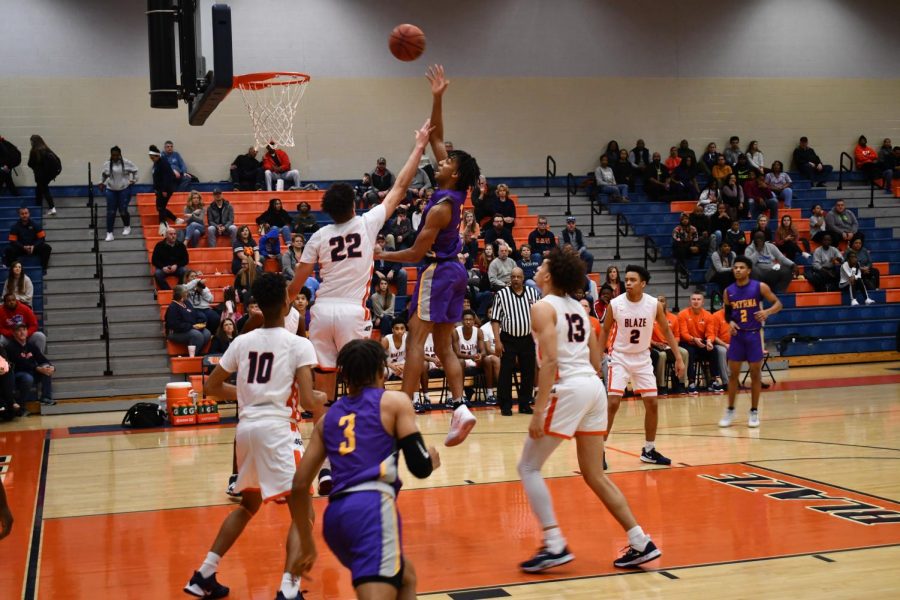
column 109, row 237
column 415, row 397
column 52, row 211
column 162, row 228
column 126, row 231
column 869, row 301
column 179, row 221
column 854, row 302
column 753, row 420
column 461, row 424
column 727, row 418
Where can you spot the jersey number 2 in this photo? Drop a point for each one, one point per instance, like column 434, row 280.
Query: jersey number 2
column 635, row 336
column 345, row 247
column 576, row 327
column 260, row 367
column 348, row 422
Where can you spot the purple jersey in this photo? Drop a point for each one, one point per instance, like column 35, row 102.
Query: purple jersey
column 359, row 448
column 448, row 242
column 745, row 301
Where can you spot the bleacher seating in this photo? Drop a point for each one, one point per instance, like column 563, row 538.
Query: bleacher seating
column 9, row 214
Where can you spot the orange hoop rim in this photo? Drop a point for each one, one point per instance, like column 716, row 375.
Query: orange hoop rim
column 260, row 81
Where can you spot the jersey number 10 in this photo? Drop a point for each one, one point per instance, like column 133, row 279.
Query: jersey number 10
column 260, row 370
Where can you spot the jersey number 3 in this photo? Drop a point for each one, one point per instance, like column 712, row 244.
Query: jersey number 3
column 345, row 247
column 348, row 422
column 576, row 327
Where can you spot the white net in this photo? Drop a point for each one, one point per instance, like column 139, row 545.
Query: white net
column 271, row 100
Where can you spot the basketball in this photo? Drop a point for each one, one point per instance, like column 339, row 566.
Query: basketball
column 407, row 42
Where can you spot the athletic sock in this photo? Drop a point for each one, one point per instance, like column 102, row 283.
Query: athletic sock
column 554, row 540
column 753, row 409
column 637, row 539
column 290, row 586
column 649, row 446
column 210, row 564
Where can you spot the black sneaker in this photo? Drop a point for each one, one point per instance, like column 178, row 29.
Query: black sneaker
column 654, row 457
column 325, row 482
column 506, row 412
column 633, row 558
column 205, row 587
column 544, row 559
column 663, row 391
column 230, row 491
column 526, row 410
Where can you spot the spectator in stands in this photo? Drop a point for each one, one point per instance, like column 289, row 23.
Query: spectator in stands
column 184, row 324
column 511, row 320
column 195, row 219
column 421, row 183
column 817, row 225
column 605, row 296
column 733, row 151
column 867, row 160
column 46, row 166
column 305, row 223
column 382, row 181
column 869, row 273
column 613, row 281
column 32, row 369
column 639, row 157
column 468, row 223
column 736, row 238
column 392, row 272
column 303, row 302
column 744, row 171
column 685, row 176
column 225, row 334
column 684, row 150
column 27, row 238
column 705, row 238
column 505, row 206
column 769, row 265
column 720, row 266
column 170, row 257
column 572, row 235
column 606, row 182
column 623, row 171
column 721, row 170
column 116, row 179
column 219, row 219
column 720, row 222
column 501, row 269
column 732, row 195
column 709, row 159
column 886, row 150
column 498, row 232
column 402, row 235
column 665, row 353
column 200, row 297
column 762, row 224
column 469, row 251
column 695, row 324
column 722, row 331
column 246, row 171
column 246, row 251
column 892, row 168
column 657, row 181
column 674, row 160
column 685, row 239
column 183, row 179
column 250, row 307
column 529, row 265
column 852, row 284
column 418, row 209
column 163, row 187
column 709, row 197
column 810, row 165
column 825, row 274
column 291, row 256
column 841, row 223
column 10, row 158
column 482, row 264
column 787, row 239
column 383, row 308
column 780, row 183
column 276, row 217
column 541, row 240
column 277, row 169
column 755, row 158
column 483, row 200
column 19, row 283
column 14, row 313
column 760, row 198
column 613, row 152
column 269, row 242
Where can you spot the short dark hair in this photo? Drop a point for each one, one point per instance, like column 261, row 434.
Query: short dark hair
column 804, row 139
column 467, row 167
column 643, row 273
column 339, row 201
column 360, row 361
column 269, row 291
column 566, row 270
column 305, row 291
column 743, row 260
column 469, row 313
column 734, row 138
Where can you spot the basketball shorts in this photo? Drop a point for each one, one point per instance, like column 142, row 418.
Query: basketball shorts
column 268, row 452
column 439, row 293
column 363, row 531
column 333, row 324
column 577, row 407
column 745, row 346
column 637, row 368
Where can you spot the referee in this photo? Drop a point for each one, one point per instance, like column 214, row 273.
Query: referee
column 511, row 321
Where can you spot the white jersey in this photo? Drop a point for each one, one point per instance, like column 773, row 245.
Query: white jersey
column 266, row 361
column 488, row 332
column 469, row 347
column 346, row 256
column 573, row 355
column 396, row 354
column 429, row 346
column 633, row 323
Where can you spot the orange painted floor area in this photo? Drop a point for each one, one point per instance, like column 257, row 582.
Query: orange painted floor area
column 21, row 464
column 694, row 520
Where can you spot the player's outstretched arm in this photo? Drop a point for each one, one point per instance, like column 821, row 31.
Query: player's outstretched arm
column 420, row 462
column 438, row 218
column 543, row 324
column 439, row 83
column 670, row 338
column 766, row 291
column 408, row 172
column 217, row 385
column 300, row 502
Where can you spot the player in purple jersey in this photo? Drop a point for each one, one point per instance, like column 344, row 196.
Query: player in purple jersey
column 362, row 435
column 745, row 314
column 436, row 305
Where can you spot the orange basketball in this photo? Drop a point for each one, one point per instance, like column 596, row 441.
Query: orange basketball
column 407, row 42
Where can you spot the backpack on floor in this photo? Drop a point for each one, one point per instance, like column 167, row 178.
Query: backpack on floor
column 143, row 415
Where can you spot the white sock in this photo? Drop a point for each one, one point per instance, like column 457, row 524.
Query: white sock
column 637, row 539
column 648, row 446
column 554, row 540
column 494, row 392
column 210, row 564
column 290, row 585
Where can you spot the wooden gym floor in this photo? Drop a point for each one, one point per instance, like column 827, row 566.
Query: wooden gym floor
column 806, row 506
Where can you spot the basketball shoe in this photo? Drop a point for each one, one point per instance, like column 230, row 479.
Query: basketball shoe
column 634, row 557
column 280, row 596
column 727, row 418
column 753, row 420
column 461, row 423
column 544, row 559
column 205, row 587
column 654, row 457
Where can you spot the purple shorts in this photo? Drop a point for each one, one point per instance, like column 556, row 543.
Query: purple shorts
column 363, row 531
column 746, row 346
column 439, row 292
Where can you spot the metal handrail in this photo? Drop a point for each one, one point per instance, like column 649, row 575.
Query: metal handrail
column 621, row 231
column 571, row 190
column 549, row 173
column 651, row 251
column 98, row 274
column 682, row 280
column 843, row 168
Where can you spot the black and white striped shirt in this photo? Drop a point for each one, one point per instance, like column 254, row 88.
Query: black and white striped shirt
column 513, row 311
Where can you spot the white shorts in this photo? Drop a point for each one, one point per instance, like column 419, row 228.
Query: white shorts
column 637, row 368
column 268, row 452
column 577, row 407
column 333, row 324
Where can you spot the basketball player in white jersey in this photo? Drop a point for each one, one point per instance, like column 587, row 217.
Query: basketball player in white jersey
column 269, row 362
column 630, row 318
column 571, row 402
column 470, row 347
column 395, row 346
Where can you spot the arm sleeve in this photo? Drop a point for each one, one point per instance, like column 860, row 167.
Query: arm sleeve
column 416, row 454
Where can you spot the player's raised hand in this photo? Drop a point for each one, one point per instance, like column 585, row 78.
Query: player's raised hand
column 305, row 561
column 423, row 133
column 439, row 82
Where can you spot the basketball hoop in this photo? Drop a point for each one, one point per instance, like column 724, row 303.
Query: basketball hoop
column 271, row 100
